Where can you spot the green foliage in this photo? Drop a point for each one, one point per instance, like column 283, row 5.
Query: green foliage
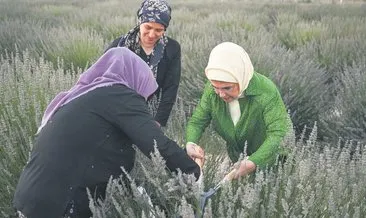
column 78, row 48
column 22, row 34
column 293, row 32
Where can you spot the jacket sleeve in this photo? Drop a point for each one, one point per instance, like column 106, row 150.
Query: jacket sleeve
column 276, row 123
column 169, row 88
column 130, row 114
column 201, row 117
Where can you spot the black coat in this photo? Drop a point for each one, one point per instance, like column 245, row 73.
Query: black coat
column 168, row 77
column 83, row 144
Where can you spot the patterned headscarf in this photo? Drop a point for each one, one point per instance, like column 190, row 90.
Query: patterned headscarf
column 157, row 11
column 116, row 66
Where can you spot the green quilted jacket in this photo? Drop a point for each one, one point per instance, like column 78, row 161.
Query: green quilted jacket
column 262, row 125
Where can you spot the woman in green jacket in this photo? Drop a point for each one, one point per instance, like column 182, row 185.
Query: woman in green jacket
column 245, row 107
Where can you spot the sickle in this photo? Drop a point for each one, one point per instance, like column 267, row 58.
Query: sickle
column 208, row 194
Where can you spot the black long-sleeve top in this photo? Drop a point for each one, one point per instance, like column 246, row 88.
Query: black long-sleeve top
column 168, row 77
column 84, row 143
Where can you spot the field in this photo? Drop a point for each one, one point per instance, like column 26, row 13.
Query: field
column 314, row 51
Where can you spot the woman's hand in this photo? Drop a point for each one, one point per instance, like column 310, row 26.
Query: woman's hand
column 200, row 162
column 243, row 168
column 196, row 153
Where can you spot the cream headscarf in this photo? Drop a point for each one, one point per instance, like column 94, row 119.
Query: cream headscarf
column 228, row 62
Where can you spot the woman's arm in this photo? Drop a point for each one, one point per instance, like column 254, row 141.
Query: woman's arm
column 276, row 123
column 128, row 112
column 201, row 117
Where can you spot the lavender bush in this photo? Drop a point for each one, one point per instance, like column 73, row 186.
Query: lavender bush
column 314, row 52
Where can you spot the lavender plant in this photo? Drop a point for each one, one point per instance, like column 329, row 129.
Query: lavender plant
column 317, row 180
column 315, row 53
column 26, row 87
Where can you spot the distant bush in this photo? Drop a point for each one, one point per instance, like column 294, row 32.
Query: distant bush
column 347, row 118
column 302, row 83
column 78, row 48
column 22, row 35
column 26, row 87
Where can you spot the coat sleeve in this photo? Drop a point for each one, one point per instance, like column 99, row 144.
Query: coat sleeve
column 201, row 117
column 276, row 123
column 169, row 88
column 130, row 114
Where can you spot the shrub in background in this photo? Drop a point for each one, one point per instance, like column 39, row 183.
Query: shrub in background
column 293, row 32
column 347, row 117
column 22, row 35
column 103, row 18
column 301, row 81
column 26, row 87
column 78, row 48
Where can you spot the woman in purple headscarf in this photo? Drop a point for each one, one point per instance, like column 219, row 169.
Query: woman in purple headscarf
column 163, row 54
column 86, row 136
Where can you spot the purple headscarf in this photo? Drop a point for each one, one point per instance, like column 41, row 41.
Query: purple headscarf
column 116, row 66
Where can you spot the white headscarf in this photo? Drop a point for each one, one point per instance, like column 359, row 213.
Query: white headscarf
column 229, row 62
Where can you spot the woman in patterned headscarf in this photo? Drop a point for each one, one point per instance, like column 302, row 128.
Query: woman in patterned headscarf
column 163, row 55
column 245, row 108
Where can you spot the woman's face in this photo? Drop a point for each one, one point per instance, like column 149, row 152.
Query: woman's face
column 150, row 33
column 225, row 90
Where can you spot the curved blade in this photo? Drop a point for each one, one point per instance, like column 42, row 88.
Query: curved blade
column 205, row 196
